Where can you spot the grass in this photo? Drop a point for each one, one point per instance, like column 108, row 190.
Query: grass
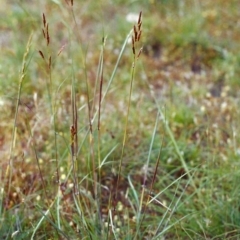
column 105, row 136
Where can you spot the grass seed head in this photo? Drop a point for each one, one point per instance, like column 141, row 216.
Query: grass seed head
column 140, row 18
column 41, row 54
column 44, row 20
column 139, row 35
column 135, row 33
column 48, row 37
column 139, row 26
column 44, row 35
column 133, row 49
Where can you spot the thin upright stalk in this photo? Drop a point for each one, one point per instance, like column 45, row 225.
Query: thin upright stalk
column 22, row 77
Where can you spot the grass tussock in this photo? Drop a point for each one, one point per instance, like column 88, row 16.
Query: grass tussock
column 119, row 120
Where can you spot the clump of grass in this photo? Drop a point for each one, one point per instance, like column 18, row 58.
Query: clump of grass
column 94, row 154
column 75, row 189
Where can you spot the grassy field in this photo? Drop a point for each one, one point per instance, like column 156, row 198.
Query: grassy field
column 120, row 119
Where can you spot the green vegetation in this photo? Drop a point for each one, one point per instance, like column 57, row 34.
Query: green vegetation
column 119, row 119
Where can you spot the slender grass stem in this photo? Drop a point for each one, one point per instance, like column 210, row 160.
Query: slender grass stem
column 14, row 131
column 136, row 34
column 126, row 124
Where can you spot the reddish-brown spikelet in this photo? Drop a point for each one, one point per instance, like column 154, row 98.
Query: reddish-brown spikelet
column 140, row 18
column 133, row 49
column 72, row 2
column 139, row 26
column 43, row 33
column 139, row 35
column 135, row 33
column 133, row 41
column 41, row 53
column 73, row 132
column 44, row 20
column 48, row 37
